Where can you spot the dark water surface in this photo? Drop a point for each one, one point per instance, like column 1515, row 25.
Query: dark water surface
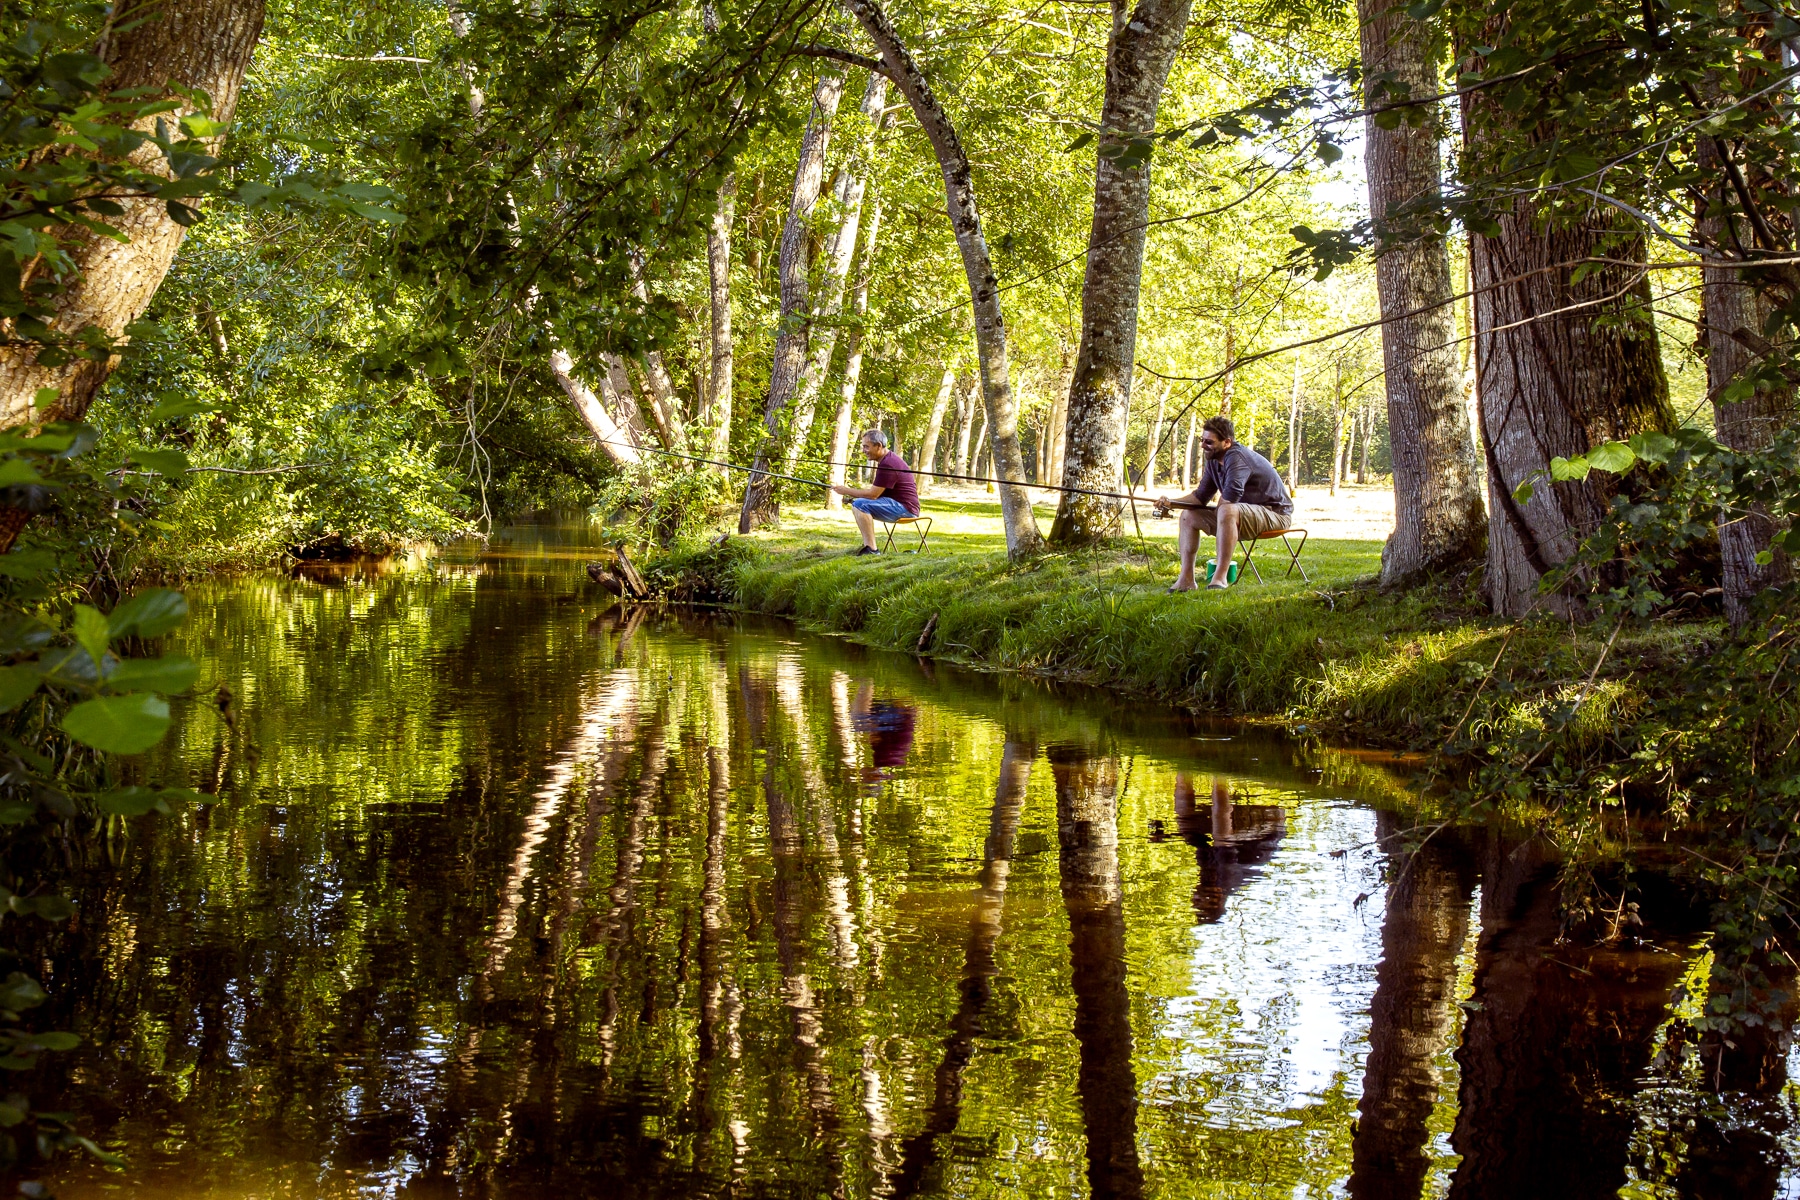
column 508, row 895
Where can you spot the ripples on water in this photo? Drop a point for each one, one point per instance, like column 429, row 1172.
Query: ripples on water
column 502, row 896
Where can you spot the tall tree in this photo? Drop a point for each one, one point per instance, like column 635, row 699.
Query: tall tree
column 793, row 326
column 853, row 355
column 716, row 412
column 1001, row 406
column 840, row 253
column 928, row 460
column 173, row 48
column 1439, row 520
column 1138, row 57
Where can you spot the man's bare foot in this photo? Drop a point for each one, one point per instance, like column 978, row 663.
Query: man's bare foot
column 1176, row 587
column 1218, row 587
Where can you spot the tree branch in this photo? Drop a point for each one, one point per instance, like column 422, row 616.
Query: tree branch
column 843, row 56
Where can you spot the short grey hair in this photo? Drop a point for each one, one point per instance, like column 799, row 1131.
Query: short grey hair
column 876, row 436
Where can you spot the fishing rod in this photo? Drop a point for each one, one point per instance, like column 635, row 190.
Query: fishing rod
column 764, row 471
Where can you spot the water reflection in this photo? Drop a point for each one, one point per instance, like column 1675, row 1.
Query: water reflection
column 505, row 896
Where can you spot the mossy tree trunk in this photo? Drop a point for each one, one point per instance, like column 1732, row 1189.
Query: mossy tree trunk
column 1439, row 520
column 1139, row 54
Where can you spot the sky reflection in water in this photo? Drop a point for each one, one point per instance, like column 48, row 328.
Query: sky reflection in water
column 504, row 896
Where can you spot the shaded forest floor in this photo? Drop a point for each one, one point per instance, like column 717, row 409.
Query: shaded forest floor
column 1404, row 668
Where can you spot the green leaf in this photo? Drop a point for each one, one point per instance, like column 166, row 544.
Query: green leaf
column 1614, row 458
column 1764, row 557
column 170, row 674
column 55, row 1041
column 11, row 1114
column 149, row 613
column 174, row 404
column 90, row 631
column 1524, row 492
column 15, row 471
column 130, row 802
column 20, row 992
column 373, row 213
column 17, row 685
column 44, row 397
column 27, row 564
column 1565, row 469
column 1080, row 141
column 163, row 462
column 1652, row 446
column 119, row 724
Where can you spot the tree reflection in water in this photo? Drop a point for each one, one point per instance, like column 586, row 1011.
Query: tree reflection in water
column 502, row 899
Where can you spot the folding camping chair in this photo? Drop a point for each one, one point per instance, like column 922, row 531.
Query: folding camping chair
column 924, row 524
column 1293, row 552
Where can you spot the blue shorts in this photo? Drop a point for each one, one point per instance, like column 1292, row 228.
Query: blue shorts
column 882, row 508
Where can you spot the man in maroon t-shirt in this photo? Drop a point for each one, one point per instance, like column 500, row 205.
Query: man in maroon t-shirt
column 892, row 494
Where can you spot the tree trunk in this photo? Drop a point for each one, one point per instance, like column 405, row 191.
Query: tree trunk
column 1731, row 307
column 1155, row 445
column 619, row 442
column 1059, row 428
column 1555, row 385
column 1337, row 433
column 204, row 45
column 928, row 455
column 792, row 327
column 1022, row 536
column 840, row 253
column 1294, row 432
column 659, row 390
column 717, row 416
column 1438, row 515
column 1139, row 55
column 1087, row 833
column 1368, row 435
column 853, row 357
column 970, row 406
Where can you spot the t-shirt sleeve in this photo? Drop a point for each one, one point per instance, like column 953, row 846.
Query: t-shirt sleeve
column 1235, row 473
column 885, row 477
column 1209, row 484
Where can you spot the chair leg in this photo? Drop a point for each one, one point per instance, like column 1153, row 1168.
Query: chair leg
column 1294, row 557
column 889, row 544
column 1249, row 549
column 924, row 532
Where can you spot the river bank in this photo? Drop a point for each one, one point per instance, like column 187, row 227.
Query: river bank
column 1414, row 669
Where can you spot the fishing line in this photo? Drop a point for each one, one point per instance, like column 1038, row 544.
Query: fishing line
column 713, row 462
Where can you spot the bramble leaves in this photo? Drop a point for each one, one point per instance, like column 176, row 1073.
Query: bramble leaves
column 128, row 724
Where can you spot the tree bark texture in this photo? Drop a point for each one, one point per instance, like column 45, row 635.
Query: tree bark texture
column 967, row 409
column 1555, row 383
column 853, row 356
column 203, row 44
column 793, row 326
column 659, row 388
column 1155, row 443
column 1022, row 536
column 618, row 441
column 840, row 255
column 1139, row 55
column 1732, row 306
column 717, row 415
column 934, row 426
column 1294, row 431
column 1411, row 1016
column 1087, row 834
column 1439, row 520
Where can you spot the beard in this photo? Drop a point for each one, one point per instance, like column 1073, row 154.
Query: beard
column 1215, row 454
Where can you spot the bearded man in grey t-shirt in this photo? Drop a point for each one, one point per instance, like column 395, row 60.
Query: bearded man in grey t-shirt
column 1252, row 501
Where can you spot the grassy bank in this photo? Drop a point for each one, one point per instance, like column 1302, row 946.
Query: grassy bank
column 1336, row 652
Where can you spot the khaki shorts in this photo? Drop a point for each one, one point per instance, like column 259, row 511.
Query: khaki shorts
column 1253, row 520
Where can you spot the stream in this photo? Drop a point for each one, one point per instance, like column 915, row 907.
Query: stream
column 507, row 893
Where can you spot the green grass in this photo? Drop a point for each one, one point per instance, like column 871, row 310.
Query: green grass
column 1335, row 651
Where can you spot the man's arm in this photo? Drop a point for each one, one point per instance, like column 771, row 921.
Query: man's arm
column 855, row 493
